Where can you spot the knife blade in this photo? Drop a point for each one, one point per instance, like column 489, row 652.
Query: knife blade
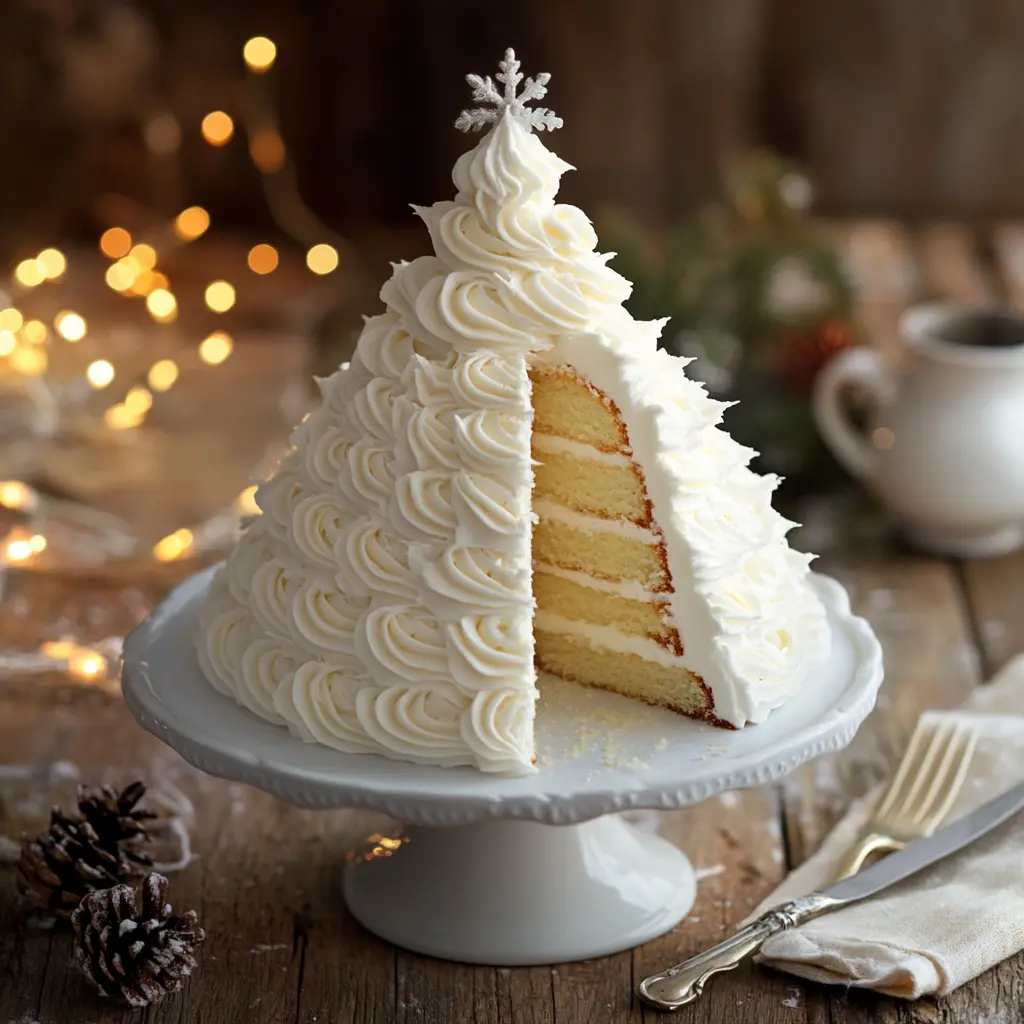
column 684, row 983
column 925, row 852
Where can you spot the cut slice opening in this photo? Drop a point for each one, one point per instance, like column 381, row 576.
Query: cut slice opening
column 600, row 571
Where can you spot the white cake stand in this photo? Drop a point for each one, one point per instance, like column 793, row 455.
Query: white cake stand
column 510, row 871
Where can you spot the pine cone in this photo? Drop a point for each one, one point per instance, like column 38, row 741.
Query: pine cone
column 135, row 958
column 77, row 854
column 117, row 822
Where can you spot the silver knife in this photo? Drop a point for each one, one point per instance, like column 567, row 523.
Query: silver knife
column 683, row 983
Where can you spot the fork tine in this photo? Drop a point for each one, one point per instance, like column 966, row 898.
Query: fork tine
column 907, row 768
column 954, row 781
column 939, row 754
column 932, row 780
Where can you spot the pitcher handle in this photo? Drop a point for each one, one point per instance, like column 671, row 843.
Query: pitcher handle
column 855, row 366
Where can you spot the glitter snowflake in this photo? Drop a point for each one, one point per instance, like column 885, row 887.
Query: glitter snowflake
column 485, row 91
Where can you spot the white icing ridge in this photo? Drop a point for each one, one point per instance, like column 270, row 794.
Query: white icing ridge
column 587, row 523
column 751, row 625
column 632, row 590
column 383, row 602
column 608, row 638
column 578, row 450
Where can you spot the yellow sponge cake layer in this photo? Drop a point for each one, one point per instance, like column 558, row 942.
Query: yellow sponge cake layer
column 600, row 608
column 606, row 555
column 589, row 484
column 565, row 405
column 575, row 659
column 601, row 578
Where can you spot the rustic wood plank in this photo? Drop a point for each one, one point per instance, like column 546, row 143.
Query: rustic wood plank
column 914, row 605
column 995, row 595
column 901, row 112
column 735, row 843
column 993, row 590
column 231, row 886
column 1008, row 255
column 26, row 739
column 348, row 975
column 948, row 256
column 879, row 259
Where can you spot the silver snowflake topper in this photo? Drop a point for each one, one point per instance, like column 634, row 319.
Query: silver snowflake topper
column 485, row 91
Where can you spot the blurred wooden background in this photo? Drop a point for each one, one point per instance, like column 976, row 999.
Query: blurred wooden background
column 911, row 108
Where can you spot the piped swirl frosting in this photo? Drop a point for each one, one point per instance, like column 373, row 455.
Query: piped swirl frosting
column 382, row 603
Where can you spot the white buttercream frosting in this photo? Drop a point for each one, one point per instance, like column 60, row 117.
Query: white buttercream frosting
column 382, row 603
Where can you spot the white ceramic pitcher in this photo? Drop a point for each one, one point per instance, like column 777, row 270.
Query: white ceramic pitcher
column 944, row 449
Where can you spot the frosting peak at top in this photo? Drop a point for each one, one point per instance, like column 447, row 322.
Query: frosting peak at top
column 510, row 166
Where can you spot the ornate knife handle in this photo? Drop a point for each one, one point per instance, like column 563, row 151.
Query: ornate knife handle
column 685, row 982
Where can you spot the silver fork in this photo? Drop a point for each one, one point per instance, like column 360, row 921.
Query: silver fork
column 922, row 791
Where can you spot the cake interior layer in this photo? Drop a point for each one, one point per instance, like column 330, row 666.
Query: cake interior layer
column 609, row 556
column 575, row 659
column 564, row 405
column 590, row 485
column 576, row 601
column 594, row 519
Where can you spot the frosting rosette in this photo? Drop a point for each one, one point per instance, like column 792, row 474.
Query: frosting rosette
column 383, row 602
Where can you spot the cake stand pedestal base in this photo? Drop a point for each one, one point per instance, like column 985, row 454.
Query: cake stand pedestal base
column 509, row 893
column 534, row 869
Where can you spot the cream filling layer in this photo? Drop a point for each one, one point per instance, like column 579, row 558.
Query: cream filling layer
column 593, row 524
column 629, row 589
column 609, row 638
column 578, row 449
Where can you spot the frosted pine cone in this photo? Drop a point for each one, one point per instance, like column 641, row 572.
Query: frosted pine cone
column 136, row 959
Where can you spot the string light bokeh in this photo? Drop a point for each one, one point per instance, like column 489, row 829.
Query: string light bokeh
column 133, row 269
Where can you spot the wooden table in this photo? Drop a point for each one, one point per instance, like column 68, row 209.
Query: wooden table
column 266, row 883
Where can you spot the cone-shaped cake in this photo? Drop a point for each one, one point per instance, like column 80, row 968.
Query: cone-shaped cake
column 509, row 477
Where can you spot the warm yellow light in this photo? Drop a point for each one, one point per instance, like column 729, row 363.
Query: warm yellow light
column 24, row 548
column 120, row 275
column 28, row 273
column 18, row 550
column 883, row 438
column 267, row 151
column 216, row 348
column 70, row 326
column 99, row 373
column 162, row 305
column 149, row 281
column 138, row 401
column 163, row 134
column 8, row 343
column 322, row 259
column 173, row 546
column 120, row 417
column 191, row 223
column 59, row 650
column 259, row 53
column 31, row 362
column 52, row 263
column 218, row 128
column 10, row 319
column 162, row 374
column 220, row 296
column 263, row 258
column 86, row 665
column 245, row 503
column 16, row 495
column 143, row 255
column 115, row 243
column 35, row 332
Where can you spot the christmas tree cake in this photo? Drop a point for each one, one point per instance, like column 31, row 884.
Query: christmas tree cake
column 509, row 478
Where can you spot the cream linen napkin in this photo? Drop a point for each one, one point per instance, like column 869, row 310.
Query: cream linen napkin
column 948, row 924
